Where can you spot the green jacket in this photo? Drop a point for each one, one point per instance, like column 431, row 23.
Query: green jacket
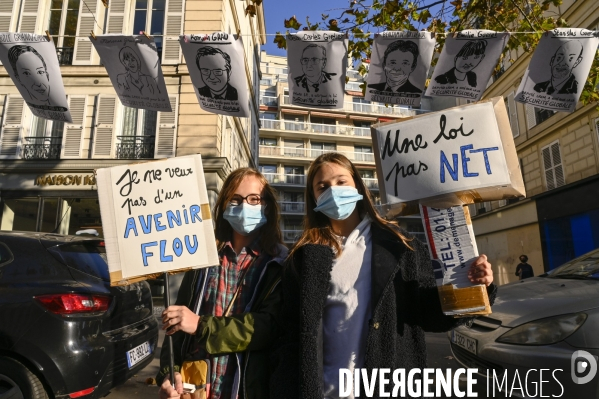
column 252, row 332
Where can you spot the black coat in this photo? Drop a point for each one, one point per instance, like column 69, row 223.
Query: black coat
column 405, row 303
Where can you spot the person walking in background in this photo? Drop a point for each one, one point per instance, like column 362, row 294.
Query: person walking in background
column 524, row 270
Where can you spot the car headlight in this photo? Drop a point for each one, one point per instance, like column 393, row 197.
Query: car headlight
column 544, row 331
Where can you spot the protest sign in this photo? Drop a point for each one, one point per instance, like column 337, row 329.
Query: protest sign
column 133, row 65
column 156, row 218
column 466, row 64
column 32, row 64
column 558, row 69
column 399, row 66
column 317, row 63
column 456, row 156
column 217, row 69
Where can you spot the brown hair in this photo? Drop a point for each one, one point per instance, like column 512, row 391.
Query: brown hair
column 317, row 226
column 270, row 233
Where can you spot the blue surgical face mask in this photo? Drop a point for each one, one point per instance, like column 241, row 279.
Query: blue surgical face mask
column 245, row 218
column 338, row 202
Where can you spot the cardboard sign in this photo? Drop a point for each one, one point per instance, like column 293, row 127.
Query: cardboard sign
column 156, row 218
column 456, row 156
column 317, row 64
column 217, row 70
column 466, row 64
column 32, row 64
column 399, row 66
column 134, row 68
column 559, row 69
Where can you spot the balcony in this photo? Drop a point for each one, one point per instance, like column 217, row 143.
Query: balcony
column 283, row 179
column 306, row 127
column 295, row 208
column 291, row 236
column 65, row 55
column 309, row 153
column 273, row 70
column 353, row 86
column 269, row 101
column 42, row 148
column 135, row 147
column 371, row 183
column 373, row 108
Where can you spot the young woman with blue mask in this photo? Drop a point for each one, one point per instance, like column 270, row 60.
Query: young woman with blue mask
column 357, row 291
column 226, row 313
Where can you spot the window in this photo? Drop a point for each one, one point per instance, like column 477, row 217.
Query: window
column 552, row 165
column 367, row 174
column 45, row 139
column 363, row 153
column 535, row 115
column 294, row 148
column 63, row 22
column 149, row 17
column 139, row 134
column 361, row 105
column 294, row 175
column 597, row 128
column 268, row 141
column 268, row 168
column 320, row 148
column 293, row 122
column 510, row 104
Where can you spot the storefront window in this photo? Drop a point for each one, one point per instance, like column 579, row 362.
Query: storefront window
column 48, row 222
column 84, row 214
column 20, row 214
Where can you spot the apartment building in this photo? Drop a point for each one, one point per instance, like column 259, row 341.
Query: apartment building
column 47, row 168
column 292, row 136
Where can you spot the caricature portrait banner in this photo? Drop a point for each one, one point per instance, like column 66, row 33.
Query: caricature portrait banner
column 32, row 64
column 133, row 65
column 558, row 69
column 466, row 64
column 217, row 70
column 399, row 67
column 317, row 63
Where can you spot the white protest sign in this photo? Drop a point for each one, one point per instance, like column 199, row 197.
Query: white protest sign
column 559, row 69
column 217, row 69
column 133, row 65
column 399, row 66
column 156, row 218
column 32, row 64
column 317, row 64
column 461, row 155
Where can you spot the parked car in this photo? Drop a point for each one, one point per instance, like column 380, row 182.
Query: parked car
column 64, row 332
column 539, row 323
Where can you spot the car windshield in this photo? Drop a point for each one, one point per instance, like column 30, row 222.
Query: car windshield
column 586, row 267
column 88, row 257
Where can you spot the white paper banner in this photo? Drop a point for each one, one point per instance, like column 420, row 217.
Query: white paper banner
column 558, row 69
column 466, row 64
column 399, row 67
column 134, row 68
column 317, row 63
column 217, row 69
column 32, row 63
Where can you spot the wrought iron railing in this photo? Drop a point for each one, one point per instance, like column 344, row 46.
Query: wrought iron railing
column 65, row 55
column 42, row 148
column 135, row 147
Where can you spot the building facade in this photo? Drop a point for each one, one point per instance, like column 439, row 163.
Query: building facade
column 47, row 168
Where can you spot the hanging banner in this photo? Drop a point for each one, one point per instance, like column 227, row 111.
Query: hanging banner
column 217, row 70
column 317, row 63
column 134, row 68
column 32, row 64
column 399, row 67
column 466, row 64
column 558, row 69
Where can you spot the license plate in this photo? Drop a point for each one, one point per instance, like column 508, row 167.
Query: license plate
column 138, row 353
column 464, row 342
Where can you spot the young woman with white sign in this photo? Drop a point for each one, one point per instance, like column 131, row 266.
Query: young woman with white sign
column 226, row 313
column 357, row 292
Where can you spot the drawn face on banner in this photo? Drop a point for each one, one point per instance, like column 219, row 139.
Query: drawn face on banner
column 470, row 56
column 313, row 61
column 399, row 61
column 130, row 60
column 566, row 58
column 215, row 69
column 30, row 70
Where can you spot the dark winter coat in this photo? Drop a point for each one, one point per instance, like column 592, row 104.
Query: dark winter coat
column 405, row 303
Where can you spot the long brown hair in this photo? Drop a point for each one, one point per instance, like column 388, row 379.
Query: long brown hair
column 317, row 226
column 270, row 233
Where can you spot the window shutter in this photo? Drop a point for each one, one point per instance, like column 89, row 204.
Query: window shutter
column 104, row 134
column 29, row 15
column 557, row 165
column 513, row 112
column 531, row 118
column 166, row 134
column 6, row 11
column 116, row 17
column 10, row 131
column 171, row 52
column 85, row 24
column 549, row 179
column 552, row 163
column 73, row 132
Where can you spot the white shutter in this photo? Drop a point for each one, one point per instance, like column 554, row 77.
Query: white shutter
column 549, row 179
column 171, row 50
column 85, row 24
column 12, row 124
column 6, row 12
column 531, row 118
column 73, row 132
column 166, row 134
column 513, row 113
column 116, row 17
column 104, row 132
column 29, row 14
column 552, row 165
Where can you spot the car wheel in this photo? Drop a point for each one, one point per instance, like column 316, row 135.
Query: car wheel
column 17, row 382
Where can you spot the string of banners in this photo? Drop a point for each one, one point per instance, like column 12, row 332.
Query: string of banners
column 317, row 62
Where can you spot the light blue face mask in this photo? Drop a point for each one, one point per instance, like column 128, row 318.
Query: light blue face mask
column 245, row 218
column 338, row 202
